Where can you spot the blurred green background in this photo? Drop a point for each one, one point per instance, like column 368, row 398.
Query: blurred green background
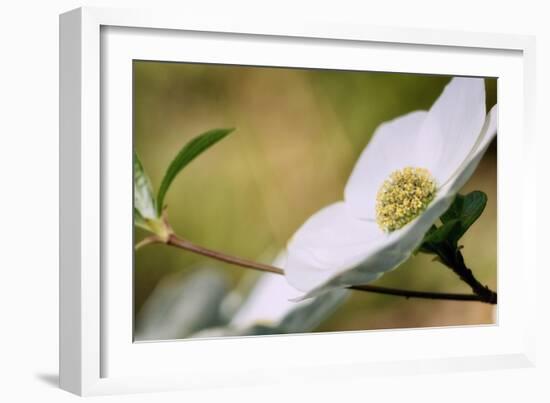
column 298, row 135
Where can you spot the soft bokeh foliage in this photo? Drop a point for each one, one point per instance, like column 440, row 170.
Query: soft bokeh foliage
column 298, row 135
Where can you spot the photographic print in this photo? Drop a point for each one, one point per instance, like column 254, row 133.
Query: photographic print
column 284, row 200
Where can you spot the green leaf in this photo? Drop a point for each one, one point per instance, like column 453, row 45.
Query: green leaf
column 437, row 236
column 442, row 233
column 139, row 220
column 466, row 210
column 144, row 200
column 187, row 154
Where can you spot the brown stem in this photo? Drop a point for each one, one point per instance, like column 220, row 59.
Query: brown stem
column 175, row 241
column 458, row 266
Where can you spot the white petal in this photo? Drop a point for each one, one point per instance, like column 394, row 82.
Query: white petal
column 391, row 148
column 268, row 303
column 272, row 301
column 452, row 127
column 459, row 179
column 329, row 241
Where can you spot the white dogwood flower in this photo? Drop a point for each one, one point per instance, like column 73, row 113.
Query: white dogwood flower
column 404, row 180
column 271, row 307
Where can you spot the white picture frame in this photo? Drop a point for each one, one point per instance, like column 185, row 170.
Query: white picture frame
column 97, row 352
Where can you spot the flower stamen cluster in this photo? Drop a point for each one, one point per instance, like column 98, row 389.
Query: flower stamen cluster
column 403, row 196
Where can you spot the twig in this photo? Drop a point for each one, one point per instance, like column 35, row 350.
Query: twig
column 454, row 260
column 147, row 241
column 174, row 240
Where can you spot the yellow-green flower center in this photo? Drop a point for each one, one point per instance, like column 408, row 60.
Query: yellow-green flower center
column 403, row 196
